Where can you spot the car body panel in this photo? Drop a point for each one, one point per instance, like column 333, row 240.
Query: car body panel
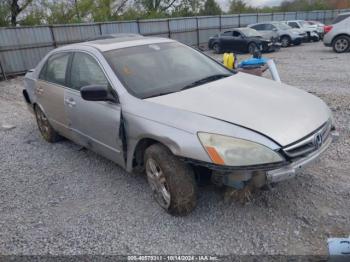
column 341, row 28
column 230, row 42
column 255, row 106
column 220, row 107
column 296, row 35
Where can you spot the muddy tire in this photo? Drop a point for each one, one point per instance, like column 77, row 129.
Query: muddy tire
column 46, row 130
column 172, row 181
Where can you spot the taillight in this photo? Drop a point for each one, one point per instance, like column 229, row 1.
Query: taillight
column 327, row 28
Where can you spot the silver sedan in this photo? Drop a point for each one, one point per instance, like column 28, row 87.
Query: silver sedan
column 156, row 105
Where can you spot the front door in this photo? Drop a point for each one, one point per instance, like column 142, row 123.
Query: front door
column 95, row 125
column 50, row 91
column 239, row 43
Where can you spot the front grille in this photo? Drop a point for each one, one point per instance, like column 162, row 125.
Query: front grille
column 311, row 143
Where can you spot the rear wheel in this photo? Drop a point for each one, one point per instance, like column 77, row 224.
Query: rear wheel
column 46, row 130
column 172, row 181
column 341, row 44
column 285, row 41
column 217, row 48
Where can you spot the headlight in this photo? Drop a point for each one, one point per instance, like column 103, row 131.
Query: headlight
column 224, row 150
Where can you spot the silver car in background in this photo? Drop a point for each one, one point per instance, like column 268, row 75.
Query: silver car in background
column 157, row 105
column 337, row 35
column 288, row 36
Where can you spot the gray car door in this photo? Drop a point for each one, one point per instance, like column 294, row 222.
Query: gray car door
column 94, row 125
column 50, row 91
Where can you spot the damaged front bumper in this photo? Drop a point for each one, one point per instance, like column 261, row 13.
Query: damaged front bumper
column 291, row 170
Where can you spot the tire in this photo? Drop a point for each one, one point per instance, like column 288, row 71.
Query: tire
column 217, row 48
column 172, row 181
column 252, row 47
column 46, row 130
column 285, row 41
column 341, row 44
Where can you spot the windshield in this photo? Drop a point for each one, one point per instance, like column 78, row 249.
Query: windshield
column 249, row 32
column 158, row 69
column 303, row 23
column 282, row 26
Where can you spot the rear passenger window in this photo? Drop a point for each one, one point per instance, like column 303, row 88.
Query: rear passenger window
column 55, row 69
column 86, row 71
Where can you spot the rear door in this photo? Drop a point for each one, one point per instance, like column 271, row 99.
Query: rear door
column 50, row 91
column 95, row 125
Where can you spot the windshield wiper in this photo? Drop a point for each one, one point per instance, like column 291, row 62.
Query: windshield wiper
column 205, row 80
column 159, row 94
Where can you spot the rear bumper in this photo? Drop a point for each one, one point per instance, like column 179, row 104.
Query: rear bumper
column 291, row 170
column 27, row 101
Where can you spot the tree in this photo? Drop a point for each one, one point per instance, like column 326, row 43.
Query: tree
column 4, row 13
column 16, row 8
column 211, row 7
column 239, row 6
column 156, row 6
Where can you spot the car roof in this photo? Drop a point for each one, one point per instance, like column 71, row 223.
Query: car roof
column 120, row 42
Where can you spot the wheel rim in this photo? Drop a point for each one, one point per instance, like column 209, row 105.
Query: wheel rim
column 216, row 48
column 43, row 123
column 252, row 48
column 341, row 45
column 285, row 42
column 157, row 182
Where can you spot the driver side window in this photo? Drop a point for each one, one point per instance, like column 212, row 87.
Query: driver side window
column 236, row 34
column 86, row 71
column 293, row 24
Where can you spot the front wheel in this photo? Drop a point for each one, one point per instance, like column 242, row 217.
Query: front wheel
column 172, row 181
column 252, row 47
column 341, row 44
column 285, row 41
column 217, row 48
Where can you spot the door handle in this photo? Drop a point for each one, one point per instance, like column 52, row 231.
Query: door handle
column 70, row 102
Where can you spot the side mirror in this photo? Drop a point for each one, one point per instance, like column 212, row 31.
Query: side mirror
column 97, row 93
column 275, row 29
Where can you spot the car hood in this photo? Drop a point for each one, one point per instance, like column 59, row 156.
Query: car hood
column 283, row 113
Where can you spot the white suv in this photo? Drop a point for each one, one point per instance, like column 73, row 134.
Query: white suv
column 337, row 35
column 310, row 30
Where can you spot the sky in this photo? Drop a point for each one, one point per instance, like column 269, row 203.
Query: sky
column 256, row 3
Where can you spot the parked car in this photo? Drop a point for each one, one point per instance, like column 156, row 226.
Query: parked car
column 242, row 40
column 288, row 35
column 157, row 105
column 337, row 35
column 310, row 30
column 319, row 27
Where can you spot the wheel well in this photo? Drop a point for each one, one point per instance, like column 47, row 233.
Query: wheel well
column 338, row 36
column 285, row 36
column 139, row 152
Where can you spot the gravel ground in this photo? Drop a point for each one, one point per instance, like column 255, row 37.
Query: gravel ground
column 60, row 199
